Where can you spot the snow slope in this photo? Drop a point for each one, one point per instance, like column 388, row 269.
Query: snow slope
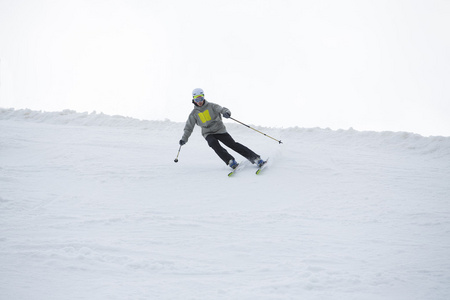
column 94, row 207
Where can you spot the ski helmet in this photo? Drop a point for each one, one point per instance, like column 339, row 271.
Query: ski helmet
column 197, row 92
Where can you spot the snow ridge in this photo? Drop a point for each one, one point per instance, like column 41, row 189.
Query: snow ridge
column 71, row 117
column 435, row 145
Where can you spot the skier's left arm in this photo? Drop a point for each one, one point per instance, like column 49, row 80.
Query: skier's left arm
column 226, row 113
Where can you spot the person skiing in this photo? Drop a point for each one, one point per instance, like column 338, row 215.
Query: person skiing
column 208, row 116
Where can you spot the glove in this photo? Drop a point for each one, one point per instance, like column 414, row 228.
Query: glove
column 182, row 142
column 227, row 115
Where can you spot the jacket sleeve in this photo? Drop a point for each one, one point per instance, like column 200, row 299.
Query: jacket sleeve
column 225, row 110
column 188, row 128
column 221, row 110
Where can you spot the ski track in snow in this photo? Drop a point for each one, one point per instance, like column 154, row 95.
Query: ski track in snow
column 93, row 207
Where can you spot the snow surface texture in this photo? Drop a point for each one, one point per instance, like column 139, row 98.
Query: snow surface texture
column 94, row 207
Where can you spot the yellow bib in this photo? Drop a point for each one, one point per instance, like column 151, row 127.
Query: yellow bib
column 204, row 116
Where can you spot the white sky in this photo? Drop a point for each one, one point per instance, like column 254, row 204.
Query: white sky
column 371, row 65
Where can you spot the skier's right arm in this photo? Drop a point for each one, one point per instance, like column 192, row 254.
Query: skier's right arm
column 188, row 128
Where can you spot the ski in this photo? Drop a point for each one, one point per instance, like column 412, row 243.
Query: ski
column 242, row 165
column 262, row 167
column 238, row 168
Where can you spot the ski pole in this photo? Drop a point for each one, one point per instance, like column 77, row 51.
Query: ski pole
column 279, row 142
column 176, row 159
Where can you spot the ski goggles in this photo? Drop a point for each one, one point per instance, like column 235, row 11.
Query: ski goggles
column 199, row 98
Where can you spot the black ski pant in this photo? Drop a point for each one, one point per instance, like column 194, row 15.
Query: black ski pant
column 227, row 140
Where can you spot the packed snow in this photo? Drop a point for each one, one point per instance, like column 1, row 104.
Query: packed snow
column 93, row 207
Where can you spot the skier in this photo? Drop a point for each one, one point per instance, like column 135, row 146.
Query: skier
column 207, row 115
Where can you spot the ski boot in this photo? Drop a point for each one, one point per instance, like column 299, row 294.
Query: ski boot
column 233, row 164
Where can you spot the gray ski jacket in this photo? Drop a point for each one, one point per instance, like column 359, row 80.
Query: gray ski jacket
column 208, row 117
